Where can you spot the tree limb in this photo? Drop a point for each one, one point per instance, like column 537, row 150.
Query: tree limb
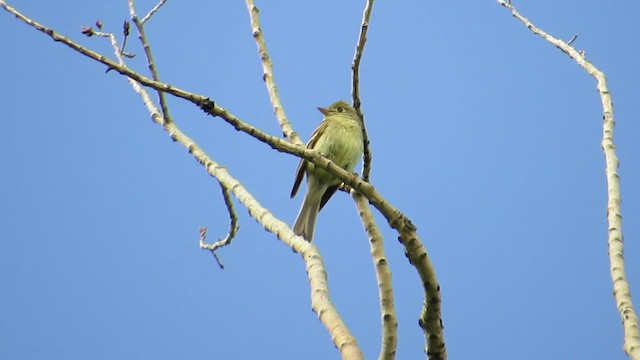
column 621, row 291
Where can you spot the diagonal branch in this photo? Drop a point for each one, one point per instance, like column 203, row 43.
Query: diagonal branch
column 621, row 291
column 267, row 68
column 152, row 11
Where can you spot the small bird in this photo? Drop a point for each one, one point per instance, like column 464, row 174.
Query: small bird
column 338, row 138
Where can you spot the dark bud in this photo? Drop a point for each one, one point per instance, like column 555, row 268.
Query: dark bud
column 87, row 30
column 207, row 105
column 99, row 24
column 125, row 28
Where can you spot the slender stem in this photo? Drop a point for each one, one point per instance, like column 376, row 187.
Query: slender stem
column 267, row 69
column 149, row 55
column 152, row 11
column 383, row 276
column 355, row 92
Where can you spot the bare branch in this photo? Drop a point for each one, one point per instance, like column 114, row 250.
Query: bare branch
column 383, row 276
column 431, row 315
column 150, row 62
column 355, row 92
column 233, row 227
column 152, row 12
column 267, row 77
column 125, row 34
column 621, row 291
column 204, row 245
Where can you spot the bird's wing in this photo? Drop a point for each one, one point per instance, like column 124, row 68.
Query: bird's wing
column 302, row 166
column 299, row 175
column 328, row 194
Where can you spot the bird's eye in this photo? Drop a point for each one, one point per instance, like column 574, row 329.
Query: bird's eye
column 340, row 109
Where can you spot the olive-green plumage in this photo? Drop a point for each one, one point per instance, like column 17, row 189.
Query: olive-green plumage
column 339, row 138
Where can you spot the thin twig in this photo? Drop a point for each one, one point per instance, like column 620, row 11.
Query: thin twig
column 125, row 36
column 152, row 11
column 267, row 76
column 383, row 276
column 150, row 62
column 233, row 225
column 210, row 247
column 355, row 91
column 621, row 291
column 167, row 118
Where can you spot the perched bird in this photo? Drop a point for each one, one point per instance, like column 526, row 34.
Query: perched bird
column 339, row 138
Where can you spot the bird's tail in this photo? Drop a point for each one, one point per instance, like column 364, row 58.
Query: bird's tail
column 306, row 220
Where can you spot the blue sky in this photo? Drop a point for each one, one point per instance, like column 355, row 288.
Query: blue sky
column 487, row 137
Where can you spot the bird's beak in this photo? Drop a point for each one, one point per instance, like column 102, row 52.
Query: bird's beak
column 324, row 111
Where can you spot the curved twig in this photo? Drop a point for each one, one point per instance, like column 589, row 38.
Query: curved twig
column 233, row 228
column 621, row 291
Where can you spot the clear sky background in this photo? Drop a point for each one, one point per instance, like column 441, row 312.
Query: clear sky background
column 486, row 136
